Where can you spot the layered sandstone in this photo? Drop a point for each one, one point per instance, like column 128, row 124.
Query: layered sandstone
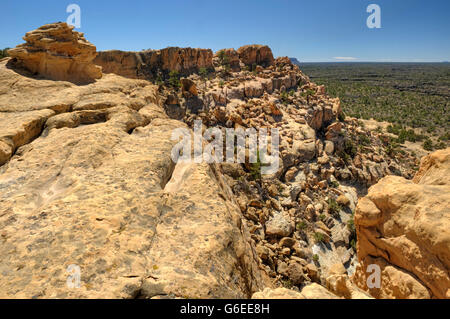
column 152, row 64
column 402, row 227
column 256, row 54
column 87, row 180
column 55, row 51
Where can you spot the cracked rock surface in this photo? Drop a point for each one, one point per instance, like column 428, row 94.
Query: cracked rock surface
column 403, row 228
column 83, row 182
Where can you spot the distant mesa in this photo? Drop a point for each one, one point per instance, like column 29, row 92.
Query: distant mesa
column 295, row 61
column 56, row 52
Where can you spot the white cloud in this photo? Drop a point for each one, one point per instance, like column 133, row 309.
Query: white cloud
column 345, row 58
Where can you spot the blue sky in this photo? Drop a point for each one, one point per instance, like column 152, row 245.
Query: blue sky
column 311, row 30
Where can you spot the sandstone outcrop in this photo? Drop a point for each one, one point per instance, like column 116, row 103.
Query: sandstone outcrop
column 55, row 51
column 151, row 64
column 312, row 291
column 91, row 183
column 87, row 180
column 402, row 227
column 256, row 54
column 232, row 59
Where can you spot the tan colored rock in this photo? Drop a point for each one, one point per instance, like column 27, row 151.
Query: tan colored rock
column 147, row 64
column 189, row 86
column 402, row 226
column 341, row 285
column 434, row 168
column 256, row 54
column 343, row 200
column 316, row 291
column 232, row 58
column 26, row 93
column 20, row 128
column 98, row 189
column 278, row 293
column 254, row 89
column 55, row 51
column 279, row 225
column 312, row 291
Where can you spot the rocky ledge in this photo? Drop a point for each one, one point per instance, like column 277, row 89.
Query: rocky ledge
column 403, row 227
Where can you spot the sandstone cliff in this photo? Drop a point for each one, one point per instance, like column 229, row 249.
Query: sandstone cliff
column 403, row 227
column 152, row 64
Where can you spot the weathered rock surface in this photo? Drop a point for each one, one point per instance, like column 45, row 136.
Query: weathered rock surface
column 55, row 51
column 92, row 184
column 232, row 58
column 150, row 64
column 256, row 54
column 402, row 226
column 312, row 291
column 88, row 180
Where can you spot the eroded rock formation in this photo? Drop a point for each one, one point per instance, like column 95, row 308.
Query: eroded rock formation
column 152, row 64
column 403, row 227
column 87, row 179
column 256, row 54
column 55, row 51
column 91, row 183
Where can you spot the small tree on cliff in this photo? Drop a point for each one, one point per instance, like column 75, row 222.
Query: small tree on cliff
column 224, row 61
column 203, row 72
column 223, row 58
column 174, row 79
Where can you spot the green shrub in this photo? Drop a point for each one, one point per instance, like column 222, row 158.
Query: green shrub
column 174, row 79
column 440, row 145
column 428, row 145
column 319, row 237
column 301, row 226
column 284, row 97
column 308, row 93
column 255, row 168
column 445, row 137
column 334, row 184
column 333, row 207
column 364, row 139
column 223, row 58
column 203, row 72
column 350, row 148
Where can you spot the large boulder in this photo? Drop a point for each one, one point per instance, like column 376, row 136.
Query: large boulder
column 256, row 54
column 403, row 227
column 56, row 52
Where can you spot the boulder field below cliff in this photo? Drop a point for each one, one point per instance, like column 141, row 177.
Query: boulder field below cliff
column 403, row 227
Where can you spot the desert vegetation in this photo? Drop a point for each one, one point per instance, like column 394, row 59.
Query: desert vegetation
column 413, row 97
column 3, row 53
